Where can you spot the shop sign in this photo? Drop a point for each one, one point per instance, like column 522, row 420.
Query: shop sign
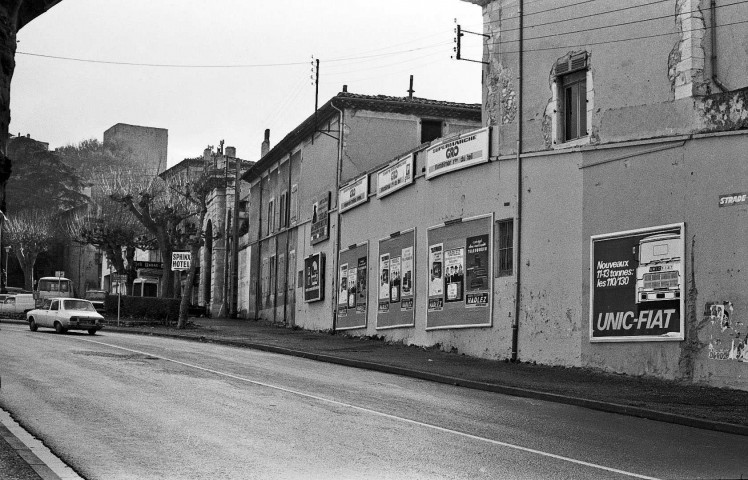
column 354, row 193
column 396, row 175
column 314, row 277
column 153, row 265
column 637, row 286
column 464, row 151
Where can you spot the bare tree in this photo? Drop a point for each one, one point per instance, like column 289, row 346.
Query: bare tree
column 159, row 208
column 30, row 233
column 112, row 228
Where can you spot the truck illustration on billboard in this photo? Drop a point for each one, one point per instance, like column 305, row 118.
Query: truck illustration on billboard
column 658, row 273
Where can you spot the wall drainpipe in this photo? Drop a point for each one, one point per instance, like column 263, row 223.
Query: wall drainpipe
column 336, row 279
column 518, row 219
column 713, row 21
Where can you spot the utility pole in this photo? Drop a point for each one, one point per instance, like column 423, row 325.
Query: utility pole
column 235, row 247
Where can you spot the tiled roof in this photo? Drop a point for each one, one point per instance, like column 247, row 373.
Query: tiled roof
column 376, row 103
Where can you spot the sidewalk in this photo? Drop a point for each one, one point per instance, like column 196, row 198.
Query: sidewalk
column 702, row 407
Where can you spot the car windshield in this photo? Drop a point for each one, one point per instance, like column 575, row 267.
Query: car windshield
column 78, row 305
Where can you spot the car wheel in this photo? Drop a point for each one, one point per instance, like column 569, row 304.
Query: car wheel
column 32, row 325
column 59, row 328
column 92, row 331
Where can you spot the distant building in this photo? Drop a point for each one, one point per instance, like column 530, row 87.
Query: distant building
column 147, row 145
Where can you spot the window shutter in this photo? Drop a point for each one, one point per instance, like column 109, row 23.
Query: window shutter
column 569, row 64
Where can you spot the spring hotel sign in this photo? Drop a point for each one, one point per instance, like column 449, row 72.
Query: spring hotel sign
column 464, row 151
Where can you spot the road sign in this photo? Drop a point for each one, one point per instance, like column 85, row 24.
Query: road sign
column 60, row 273
column 180, row 260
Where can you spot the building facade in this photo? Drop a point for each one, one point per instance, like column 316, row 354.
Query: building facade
column 147, row 146
column 618, row 146
column 295, row 232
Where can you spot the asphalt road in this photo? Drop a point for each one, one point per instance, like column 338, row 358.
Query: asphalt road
column 117, row 406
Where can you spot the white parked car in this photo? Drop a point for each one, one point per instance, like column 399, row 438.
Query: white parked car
column 65, row 314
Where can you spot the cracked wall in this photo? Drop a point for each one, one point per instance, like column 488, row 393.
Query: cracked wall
column 725, row 111
column 686, row 59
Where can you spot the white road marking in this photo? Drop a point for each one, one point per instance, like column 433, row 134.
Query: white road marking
column 381, row 414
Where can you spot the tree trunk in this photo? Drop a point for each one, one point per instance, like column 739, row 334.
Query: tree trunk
column 184, row 305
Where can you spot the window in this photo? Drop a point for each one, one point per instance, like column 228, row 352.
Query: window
column 430, row 130
column 505, row 247
column 293, row 204
column 283, row 209
column 571, row 97
column 271, row 216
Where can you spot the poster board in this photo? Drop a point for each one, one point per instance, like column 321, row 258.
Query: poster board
column 637, row 285
column 460, row 263
column 396, row 175
column 320, row 230
column 353, row 289
column 354, row 193
column 396, row 295
column 314, row 277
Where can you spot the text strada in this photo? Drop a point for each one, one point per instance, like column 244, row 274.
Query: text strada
column 612, row 274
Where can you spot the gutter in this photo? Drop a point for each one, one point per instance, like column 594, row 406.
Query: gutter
column 713, row 21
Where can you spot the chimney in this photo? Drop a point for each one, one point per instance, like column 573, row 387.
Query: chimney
column 231, row 152
column 265, row 144
column 345, row 88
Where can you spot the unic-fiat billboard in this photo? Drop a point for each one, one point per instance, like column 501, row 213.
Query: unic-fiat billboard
column 637, row 285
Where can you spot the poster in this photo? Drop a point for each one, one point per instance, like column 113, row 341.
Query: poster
column 314, row 282
column 384, row 277
column 361, row 286
column 352, row 278
column 637, row 286
column 343, row 293
column 476, row 282
column 406, row 288
column 395, row 279
column 454, row 274
column 320, row 229
column 436, row 282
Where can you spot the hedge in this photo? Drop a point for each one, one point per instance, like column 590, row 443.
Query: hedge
column 146, row 308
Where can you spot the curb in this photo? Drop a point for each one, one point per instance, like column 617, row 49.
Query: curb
column 29, row 457
column 487, row 387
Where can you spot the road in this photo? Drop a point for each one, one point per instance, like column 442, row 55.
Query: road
column 117, row 406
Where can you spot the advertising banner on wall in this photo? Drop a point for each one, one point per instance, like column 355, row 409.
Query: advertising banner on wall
column 468, row 149
column 396, row 175
column 320, row 230
column 354, row 193
column 460, row 256
column 637, row 285
column 396, row 307
column 476, row 282
column 314, row 277
column 352, row 287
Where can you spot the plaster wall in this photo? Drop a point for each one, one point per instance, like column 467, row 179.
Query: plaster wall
column 550, row 322
column 671, row 183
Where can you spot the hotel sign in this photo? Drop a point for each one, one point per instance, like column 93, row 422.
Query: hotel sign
column 456, row 153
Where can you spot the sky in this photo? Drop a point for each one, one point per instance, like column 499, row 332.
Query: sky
column 211, row 70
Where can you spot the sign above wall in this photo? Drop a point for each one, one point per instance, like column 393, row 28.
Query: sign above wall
column 456, row 153
column 354, row 193
column 396, row 175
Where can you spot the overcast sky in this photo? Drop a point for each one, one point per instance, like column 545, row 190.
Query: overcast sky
column 243, row 65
